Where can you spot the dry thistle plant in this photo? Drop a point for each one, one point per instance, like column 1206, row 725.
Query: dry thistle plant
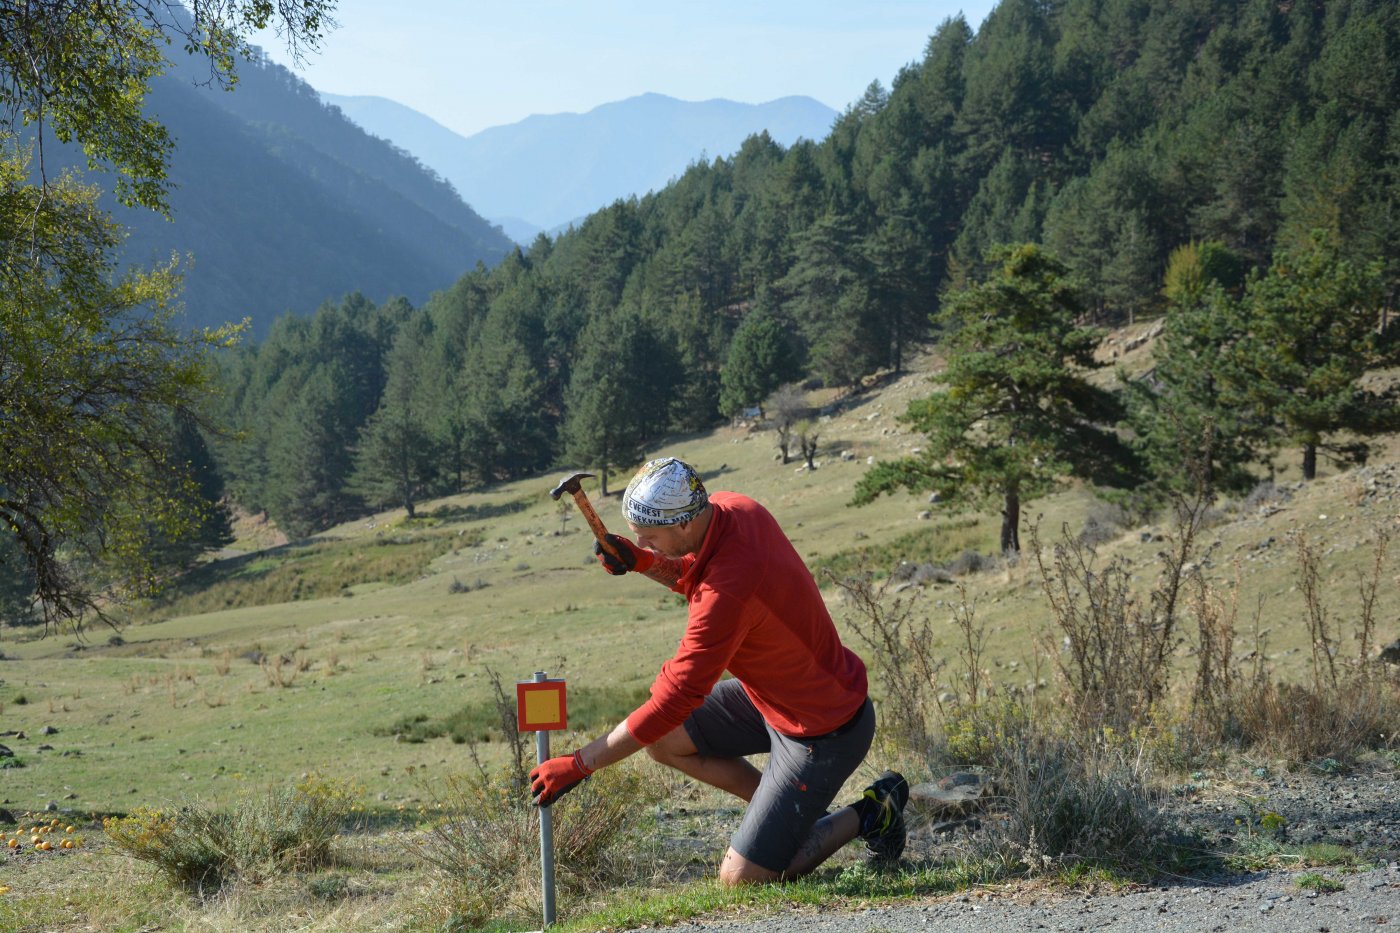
column 900, row 640
column 1118, row 644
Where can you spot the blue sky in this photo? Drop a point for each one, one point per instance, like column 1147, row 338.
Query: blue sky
column 471, row 65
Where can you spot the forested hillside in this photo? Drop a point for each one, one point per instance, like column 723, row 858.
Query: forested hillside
column 1222, row 162
column 283, row 204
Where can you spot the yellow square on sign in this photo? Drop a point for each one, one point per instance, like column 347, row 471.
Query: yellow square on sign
column 543, row 706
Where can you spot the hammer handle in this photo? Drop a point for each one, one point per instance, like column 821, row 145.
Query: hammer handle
column 595, row 523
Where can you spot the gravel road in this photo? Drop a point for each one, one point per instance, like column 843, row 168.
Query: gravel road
column 1358, row 812
column 1268, row 902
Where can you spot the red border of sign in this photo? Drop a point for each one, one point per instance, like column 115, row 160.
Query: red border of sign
column 523, row 687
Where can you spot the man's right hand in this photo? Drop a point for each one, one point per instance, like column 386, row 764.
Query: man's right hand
column 629, row 556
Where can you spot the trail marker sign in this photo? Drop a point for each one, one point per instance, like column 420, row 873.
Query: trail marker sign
column 541, row 705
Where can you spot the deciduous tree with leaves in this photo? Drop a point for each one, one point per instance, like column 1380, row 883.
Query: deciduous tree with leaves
column 91, row 365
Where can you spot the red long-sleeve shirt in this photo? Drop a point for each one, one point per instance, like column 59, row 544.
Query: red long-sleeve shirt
column 754, row 611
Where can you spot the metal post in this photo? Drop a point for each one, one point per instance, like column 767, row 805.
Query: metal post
column 546, row 825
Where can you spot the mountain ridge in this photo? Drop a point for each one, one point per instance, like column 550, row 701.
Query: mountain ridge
column 513, row 173
column 285, row 204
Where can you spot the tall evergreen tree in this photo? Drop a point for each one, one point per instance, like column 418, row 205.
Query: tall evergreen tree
column 396, row 462
column 1016, row 415
column 618, row 395
column 762, row 356
column 1192, row 429
column 1312, row 333
column 310, row 459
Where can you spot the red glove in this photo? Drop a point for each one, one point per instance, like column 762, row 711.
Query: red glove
column 554, row 778
column 632, row 557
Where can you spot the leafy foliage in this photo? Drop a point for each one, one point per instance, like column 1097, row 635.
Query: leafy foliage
column 90, row 371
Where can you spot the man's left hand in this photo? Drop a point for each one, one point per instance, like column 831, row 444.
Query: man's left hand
column 554, row 778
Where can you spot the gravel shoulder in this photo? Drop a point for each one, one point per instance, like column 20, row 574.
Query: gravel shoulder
column 1263, row 901
column 1355, row 814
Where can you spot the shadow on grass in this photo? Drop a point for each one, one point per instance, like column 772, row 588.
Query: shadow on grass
column 478, row 513
column 309, row 569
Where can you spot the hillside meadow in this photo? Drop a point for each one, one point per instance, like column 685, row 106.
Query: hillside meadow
column 367, row 654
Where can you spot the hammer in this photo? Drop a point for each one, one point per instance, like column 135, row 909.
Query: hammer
column 571, row 485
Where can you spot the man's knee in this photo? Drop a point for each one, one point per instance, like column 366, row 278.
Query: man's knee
column 736, row 870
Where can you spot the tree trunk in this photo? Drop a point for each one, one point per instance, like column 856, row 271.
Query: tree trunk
column 1309, row 461
column 1011, row 524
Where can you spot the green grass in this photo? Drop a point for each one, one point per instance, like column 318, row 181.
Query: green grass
column 1312, row 881
column 590, row 709
column 178, row 711
column 852, row 888
column 938, row 544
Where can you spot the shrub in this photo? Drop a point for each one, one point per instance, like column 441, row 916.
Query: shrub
column 983, row 734
column 969, row 562
column 1265, row 493
column 1104, row 522
column 1069, row 802
column 487, row 847
column 289, row 828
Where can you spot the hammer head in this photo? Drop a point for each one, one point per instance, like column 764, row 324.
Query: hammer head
column 570, row 485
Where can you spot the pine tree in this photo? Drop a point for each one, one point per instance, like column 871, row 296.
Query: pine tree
column 762, row 356
column 1191, row 426
column 619, row 393
column 1015, row 416
column 1312, row 333
column 310, row 460
column 396, row 460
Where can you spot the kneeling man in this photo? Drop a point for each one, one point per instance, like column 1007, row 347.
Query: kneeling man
column 797, row 693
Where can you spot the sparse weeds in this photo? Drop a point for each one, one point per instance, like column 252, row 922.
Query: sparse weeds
column 1119, row 644
column 1352, row 704
column 900, row 640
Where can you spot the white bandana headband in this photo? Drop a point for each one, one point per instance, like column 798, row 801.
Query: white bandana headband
column 664, row 492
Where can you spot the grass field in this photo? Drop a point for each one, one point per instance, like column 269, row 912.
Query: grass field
column 340, row 654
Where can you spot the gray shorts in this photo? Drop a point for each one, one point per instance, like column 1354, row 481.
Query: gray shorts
column 802, row 778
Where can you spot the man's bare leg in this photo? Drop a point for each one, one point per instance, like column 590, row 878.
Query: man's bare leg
column 677, row 750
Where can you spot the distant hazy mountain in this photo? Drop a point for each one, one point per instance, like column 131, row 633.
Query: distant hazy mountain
column 285, row 204
column 546, row 171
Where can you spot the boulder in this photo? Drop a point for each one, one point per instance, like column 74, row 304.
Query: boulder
column 1390, row 654
column 952, row 797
